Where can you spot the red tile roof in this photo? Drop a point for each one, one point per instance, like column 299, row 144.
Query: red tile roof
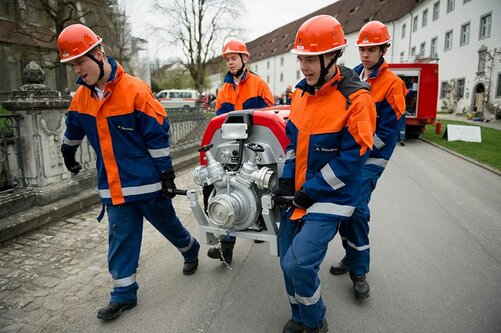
column 352, row 14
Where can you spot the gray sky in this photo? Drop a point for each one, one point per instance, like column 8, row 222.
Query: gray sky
column 258, row 18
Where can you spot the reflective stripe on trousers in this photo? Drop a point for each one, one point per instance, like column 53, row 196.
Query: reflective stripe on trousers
column 125, row 236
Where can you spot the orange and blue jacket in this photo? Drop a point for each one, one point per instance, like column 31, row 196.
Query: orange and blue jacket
column 129, row 132
column 331, row 132
column 388, row 92
column 250, row 93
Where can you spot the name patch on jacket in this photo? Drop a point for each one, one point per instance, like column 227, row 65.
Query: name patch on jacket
column 125, row 128
column 321, row 149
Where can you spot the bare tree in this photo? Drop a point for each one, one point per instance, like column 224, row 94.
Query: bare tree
column 199, row 27
column 121, row 35
column 484, row 73
column 43, row 20
column 51, row 17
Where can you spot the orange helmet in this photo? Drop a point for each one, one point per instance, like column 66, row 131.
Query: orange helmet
column 75, row 41
column 319, row 35
column 373, row 33
column 235, row 46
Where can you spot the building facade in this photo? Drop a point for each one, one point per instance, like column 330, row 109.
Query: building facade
column 464, row 36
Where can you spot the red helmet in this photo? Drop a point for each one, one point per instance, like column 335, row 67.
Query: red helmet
column 373, row 33
column 319, row 35
column 235, row 46
column 75, row 41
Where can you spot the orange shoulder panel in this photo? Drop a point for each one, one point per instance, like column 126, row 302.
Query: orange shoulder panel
column 362, row 122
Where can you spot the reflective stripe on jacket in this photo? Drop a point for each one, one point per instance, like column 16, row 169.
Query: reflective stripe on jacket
column 388, row 92
column 250, row 93
column 129, row 132
column 330, row 135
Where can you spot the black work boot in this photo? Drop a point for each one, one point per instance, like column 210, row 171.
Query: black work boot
column 360, row 286
column 226, row 249
column 341, row 267
column 293, row 327
column 113, row 310
column 190, row 268
column 322, row 329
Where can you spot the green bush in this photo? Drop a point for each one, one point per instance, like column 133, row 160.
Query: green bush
column 5, row 131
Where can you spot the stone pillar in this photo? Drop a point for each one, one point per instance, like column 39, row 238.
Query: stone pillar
column 52, row 192
column 43, row 112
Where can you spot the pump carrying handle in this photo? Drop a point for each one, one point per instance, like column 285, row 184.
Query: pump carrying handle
column 205, row 148
column 180, row 192
column 288, row 198
column 255, row 147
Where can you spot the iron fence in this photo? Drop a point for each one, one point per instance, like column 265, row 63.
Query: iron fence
column 187, row 125
column 11, row 154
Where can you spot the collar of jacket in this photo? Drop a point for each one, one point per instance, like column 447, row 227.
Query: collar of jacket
column 326, row 88
column 381, row 66
column 229, row 77
column 116, row 73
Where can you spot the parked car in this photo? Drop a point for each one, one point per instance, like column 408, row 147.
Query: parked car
column 178, row 98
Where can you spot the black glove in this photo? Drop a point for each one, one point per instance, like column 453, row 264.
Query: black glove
column 168, row 186
column 302, row 200
column 69, row 159
column 285, row 188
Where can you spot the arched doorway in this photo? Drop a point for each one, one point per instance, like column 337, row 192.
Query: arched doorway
column 478, row 101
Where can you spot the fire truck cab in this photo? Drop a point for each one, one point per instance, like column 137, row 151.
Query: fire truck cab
column 421, row 79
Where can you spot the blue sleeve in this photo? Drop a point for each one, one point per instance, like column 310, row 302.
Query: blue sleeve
column 387, row 126
column 154, row 128
column 74, row 133
column 290, row 151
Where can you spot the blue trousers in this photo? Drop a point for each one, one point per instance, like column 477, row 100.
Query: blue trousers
column 302, row 247
column 354, row 232
column 401, row 128
column 124, row 241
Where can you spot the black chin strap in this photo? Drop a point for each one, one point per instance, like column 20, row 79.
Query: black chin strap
column 99, row 63
column 380, row 61
column 241, row 70
column 324, row 70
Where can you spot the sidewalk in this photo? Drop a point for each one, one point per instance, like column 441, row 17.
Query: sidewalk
column 496, row 124
column 47, row 273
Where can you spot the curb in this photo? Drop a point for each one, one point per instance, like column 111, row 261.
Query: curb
column 486, row 167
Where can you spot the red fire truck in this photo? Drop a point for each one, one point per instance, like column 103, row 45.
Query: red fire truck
column 421, row 78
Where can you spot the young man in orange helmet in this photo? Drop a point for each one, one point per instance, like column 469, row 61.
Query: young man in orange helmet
column 330, row 128
column 128, row 129
column 242, row 89
column 388, row 92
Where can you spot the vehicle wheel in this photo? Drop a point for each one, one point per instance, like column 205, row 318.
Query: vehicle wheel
column 413, row 132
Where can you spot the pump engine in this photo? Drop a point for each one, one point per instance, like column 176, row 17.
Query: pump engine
column 242, row 157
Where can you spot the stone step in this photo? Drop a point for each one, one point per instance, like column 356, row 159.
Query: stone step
column 35, row 217
column 188, row 160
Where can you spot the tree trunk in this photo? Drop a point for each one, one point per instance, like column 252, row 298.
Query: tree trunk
column 61, row 77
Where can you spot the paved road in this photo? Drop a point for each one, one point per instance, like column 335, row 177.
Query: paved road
column 436, row 232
